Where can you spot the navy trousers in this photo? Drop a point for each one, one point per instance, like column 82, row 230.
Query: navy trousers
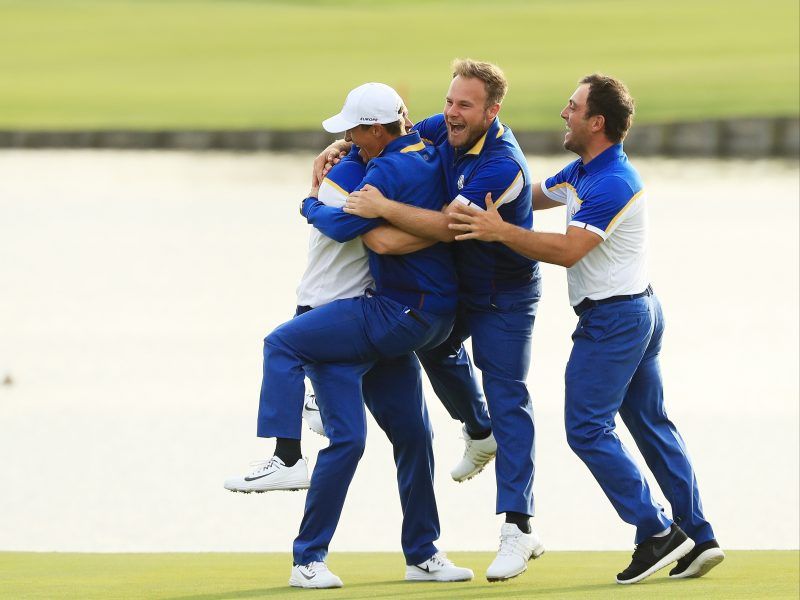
column 338, row 344
column 614, row 368
column 501, row 325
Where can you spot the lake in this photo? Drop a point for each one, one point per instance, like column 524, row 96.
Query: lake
column 136, row 289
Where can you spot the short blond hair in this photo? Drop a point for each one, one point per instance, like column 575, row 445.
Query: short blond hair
column 492, row 76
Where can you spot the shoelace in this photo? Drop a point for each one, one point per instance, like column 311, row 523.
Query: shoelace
column 508, row 543
column 317, row 567
column 262, row 465
column 440, row 559
column 470, row 449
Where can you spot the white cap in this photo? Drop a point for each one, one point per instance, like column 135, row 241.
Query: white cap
column 368, row 104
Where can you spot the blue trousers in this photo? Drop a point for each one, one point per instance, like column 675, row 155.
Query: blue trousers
column 614, row 368
column 338, row 344
column 501, row 325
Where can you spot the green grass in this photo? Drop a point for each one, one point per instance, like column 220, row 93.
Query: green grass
column 238, row 64
column 744, row 574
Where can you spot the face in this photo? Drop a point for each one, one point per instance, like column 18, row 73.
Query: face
column 364, row 138
column 406, row 121
column 466, row 113
column 579, row 127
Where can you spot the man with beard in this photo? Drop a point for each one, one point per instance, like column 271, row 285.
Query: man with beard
column 499, row 291
column 614, row 364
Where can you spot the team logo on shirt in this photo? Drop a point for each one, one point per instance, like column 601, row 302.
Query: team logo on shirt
column 461, row 182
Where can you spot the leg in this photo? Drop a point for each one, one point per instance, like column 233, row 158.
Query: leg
column 315, row 336
column 340, row 401
column 352, row 331
column 501, row 326
column 660, row 443
column 609, row 343
column 452, row 376
column 393, row 394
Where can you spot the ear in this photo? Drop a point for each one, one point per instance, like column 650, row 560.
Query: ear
column 492, row 111
column 598, row 123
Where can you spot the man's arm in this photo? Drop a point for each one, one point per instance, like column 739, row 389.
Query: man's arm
column 335, row 223
column 540, row 199
column 555, row 248
column 370, row 203
column 387, row 239
column 327, row 158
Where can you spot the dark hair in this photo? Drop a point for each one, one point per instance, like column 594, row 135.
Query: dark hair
column 394, row 128
column 610, row 98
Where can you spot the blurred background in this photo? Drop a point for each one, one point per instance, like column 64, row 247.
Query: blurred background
column 144, row 254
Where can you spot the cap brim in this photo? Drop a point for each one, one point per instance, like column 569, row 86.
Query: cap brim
column 337, row 124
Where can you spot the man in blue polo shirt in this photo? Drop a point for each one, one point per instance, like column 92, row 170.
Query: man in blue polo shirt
column 499, row 291
column 614, row 365
column 411, row 307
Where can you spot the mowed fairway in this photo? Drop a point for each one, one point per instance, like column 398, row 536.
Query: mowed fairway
column 744, row 574
column 74, row 64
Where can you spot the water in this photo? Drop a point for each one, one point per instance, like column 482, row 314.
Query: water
column 136, row 288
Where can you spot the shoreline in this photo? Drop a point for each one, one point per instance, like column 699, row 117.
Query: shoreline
column 724, row 138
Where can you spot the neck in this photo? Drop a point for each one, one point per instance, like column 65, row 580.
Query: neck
column 595, row 149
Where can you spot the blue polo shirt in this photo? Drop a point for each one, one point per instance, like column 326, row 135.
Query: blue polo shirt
column 408, row 171
column 605, row 196
column 496, row 164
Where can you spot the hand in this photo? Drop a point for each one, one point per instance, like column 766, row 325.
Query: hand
column 487, row 225
column 367, row 203
column 326, row 159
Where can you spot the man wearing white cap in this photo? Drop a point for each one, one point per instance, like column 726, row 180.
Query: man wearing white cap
column 343, row 344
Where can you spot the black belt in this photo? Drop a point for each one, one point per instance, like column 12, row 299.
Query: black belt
column 587, row 303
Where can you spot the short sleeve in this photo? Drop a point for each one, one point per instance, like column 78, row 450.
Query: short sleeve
column 502, row 178
column 605, row 207
column 339, row 182
column 555, row 187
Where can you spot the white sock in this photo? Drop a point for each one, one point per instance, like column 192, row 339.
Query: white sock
column 663, row 533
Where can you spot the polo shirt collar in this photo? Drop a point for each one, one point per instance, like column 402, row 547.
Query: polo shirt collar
column 602, row 160
column 495, row 130
column 411, row 142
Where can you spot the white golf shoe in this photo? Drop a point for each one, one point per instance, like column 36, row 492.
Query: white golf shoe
column 313, row 575
column 516, row 549
column 477, row 454
column 437, row 568
column 311, row 413
column 271, row 474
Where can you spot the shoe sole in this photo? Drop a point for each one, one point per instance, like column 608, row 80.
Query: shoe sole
column 472, row 473
column 676, row 554
column 290, row 487
column 537, row 552
column 702, row 564
column 418, row 579
column 297, row 584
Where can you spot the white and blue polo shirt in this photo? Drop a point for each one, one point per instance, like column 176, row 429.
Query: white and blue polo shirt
column 334, row 270
column 606, row 197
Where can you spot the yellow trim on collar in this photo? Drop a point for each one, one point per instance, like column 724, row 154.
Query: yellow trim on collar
column 500, row 131
column 476, row 149
column 414, row 147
